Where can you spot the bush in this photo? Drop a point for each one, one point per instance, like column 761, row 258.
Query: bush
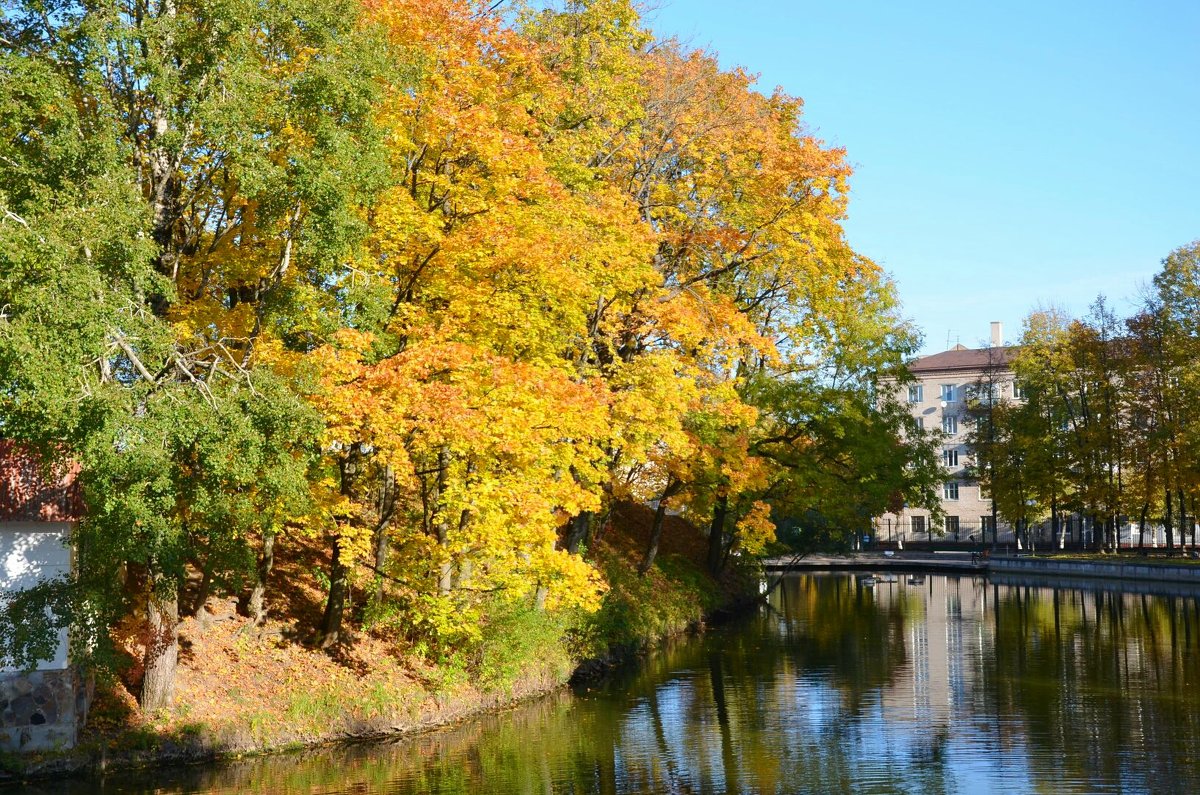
column 673, row 595
column 518, row 638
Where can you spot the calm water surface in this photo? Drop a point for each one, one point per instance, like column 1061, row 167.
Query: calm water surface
column 947, row 685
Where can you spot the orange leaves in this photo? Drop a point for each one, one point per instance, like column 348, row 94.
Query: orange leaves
column 586, row 245
column 755, row 529
column 571, row 583
column 708, row 325
column 509, row 433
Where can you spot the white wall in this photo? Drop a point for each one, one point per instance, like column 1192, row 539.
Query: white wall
column 29, row 553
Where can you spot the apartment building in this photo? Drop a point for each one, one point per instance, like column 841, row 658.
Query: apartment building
column 938, row 401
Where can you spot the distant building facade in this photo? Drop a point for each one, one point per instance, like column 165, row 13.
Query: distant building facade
column 938, row 401
column 40, row 709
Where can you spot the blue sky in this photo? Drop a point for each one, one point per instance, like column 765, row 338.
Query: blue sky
column 1007, row 155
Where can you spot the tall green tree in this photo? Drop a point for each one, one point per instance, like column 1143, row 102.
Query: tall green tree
column 211, row 158
column 842, row 446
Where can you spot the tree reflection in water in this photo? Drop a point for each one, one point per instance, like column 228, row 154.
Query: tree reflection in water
column 952, row 685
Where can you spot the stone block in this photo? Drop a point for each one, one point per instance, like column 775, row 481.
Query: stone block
column 42, row 710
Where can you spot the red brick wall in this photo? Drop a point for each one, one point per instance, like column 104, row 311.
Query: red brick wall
column 29, row 492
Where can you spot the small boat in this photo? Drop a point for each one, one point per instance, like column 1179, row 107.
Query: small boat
column 887, row 578
column 867, row 581
column 916, row 579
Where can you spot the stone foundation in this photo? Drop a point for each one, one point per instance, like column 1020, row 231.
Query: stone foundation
column 43, row 710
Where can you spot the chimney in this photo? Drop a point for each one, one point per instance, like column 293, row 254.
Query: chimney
column 997, row 334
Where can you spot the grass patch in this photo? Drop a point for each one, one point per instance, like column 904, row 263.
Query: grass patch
column 322, row 708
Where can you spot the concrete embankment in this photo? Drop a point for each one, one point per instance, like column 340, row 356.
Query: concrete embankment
column 998, row 566
column 1094, row 584
column 933, row 563
column 1054, row 567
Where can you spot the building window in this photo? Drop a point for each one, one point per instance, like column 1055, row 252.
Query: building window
column 952, row 526
column 950, row 457
column 949, row 424
column 950, row 490
column 949, row 393
column 916, row 394
column 918, row 524
column 984, row 492
column 1018, row 392
column 919, row 424
column 987, row 393
column 987, row 524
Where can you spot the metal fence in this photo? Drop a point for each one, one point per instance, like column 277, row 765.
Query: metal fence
column 1073, row 532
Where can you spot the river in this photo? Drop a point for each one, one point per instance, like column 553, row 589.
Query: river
column 945, row 684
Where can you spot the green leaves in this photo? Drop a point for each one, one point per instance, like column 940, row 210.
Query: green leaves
column 531, row 268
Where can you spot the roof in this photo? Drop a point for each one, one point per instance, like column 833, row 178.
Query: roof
column 960, row 359
column 32, row 492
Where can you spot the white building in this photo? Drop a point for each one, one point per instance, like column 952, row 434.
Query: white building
column 938, row 401
column 40, row 709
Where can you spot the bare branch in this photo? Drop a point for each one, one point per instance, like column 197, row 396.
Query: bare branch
column 134, row 360
column 13, row 216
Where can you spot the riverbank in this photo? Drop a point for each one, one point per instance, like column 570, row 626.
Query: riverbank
column 958, row 685
column 243, row 690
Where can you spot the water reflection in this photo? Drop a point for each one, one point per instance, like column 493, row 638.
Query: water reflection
column 946, row 685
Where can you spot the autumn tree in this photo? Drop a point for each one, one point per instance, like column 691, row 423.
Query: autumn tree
column 1108, row 410
column 434, row 285
column 1177, row 288
column 460, row 365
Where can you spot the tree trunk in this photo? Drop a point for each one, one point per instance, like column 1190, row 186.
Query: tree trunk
column 995, row 525
column 577, row 535
column 202, row 590
column 1142, row 526
column 383, row 547
column 1183, row 520
column 266, row 560
column 164, row 173
column 464, row 568
column 1193, row 522
column 335, row 607
column 1167, row 523
column 1056, row 525
column 330, row 631
column 162, row 650
column 387, row 509
column 656, row 529
column 716, row 535
column 441, row 527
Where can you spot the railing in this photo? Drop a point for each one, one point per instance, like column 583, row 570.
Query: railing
column 1073, row 535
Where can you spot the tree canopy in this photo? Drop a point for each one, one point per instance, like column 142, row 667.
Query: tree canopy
column 428, row 283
